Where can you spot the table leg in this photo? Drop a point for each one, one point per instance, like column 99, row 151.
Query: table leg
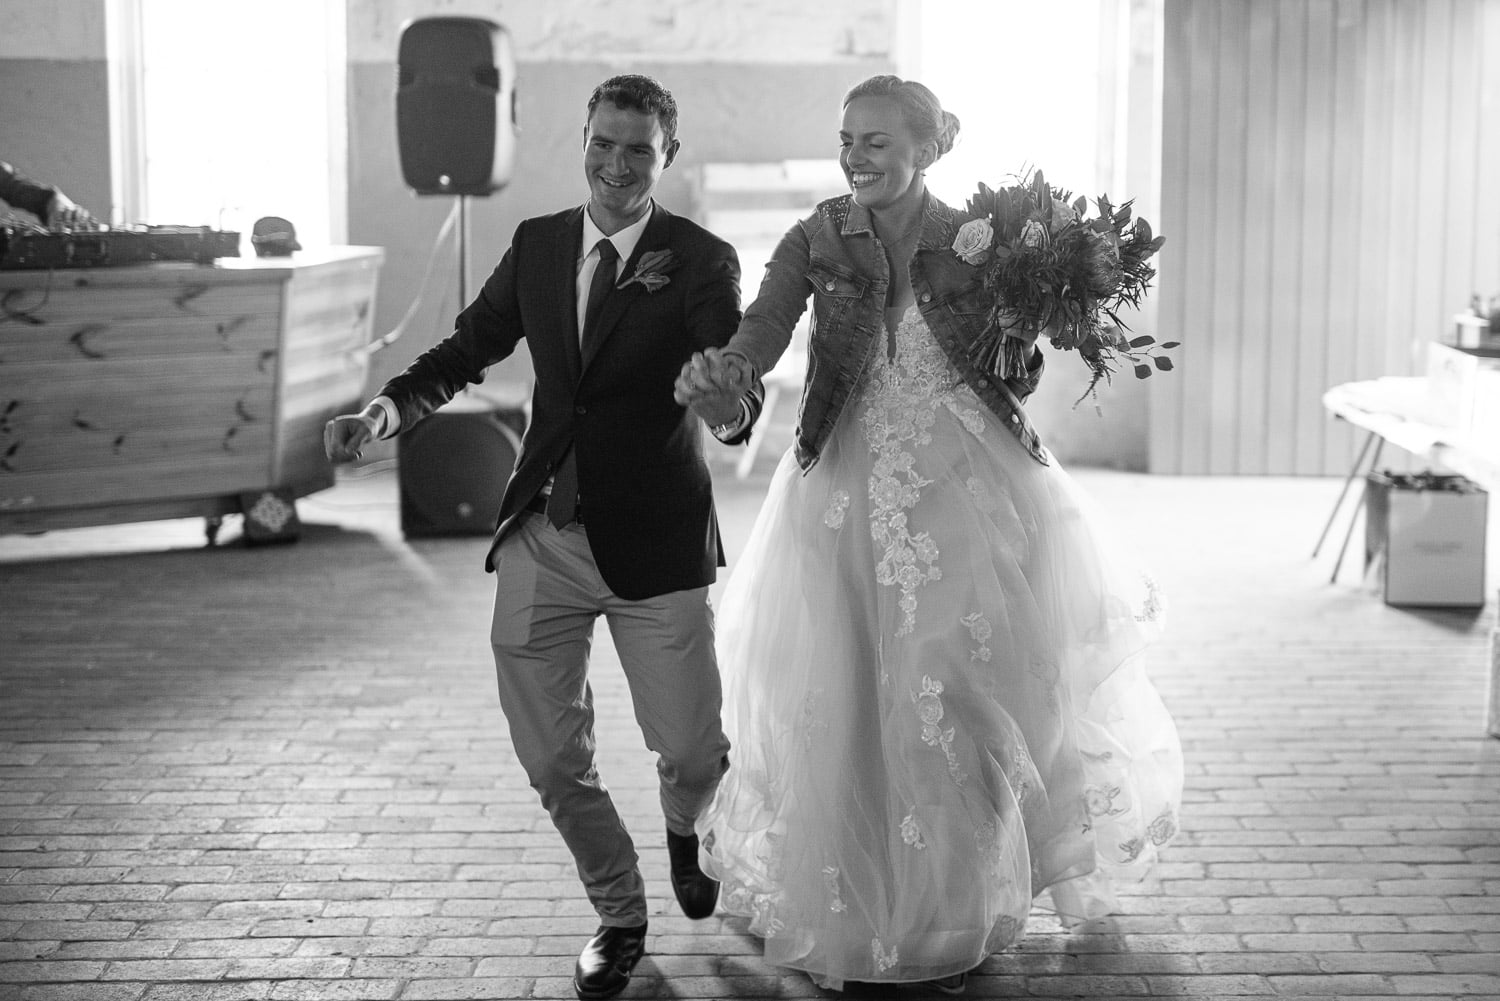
column 1354, row 516
column 1353, row 470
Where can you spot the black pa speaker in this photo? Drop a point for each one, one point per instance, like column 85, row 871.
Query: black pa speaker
column 455, row 105
column 452, row 468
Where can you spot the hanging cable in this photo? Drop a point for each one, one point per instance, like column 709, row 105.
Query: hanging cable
column 411, row 311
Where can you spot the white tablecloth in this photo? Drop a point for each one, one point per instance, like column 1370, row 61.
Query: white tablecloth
column 1399, row 410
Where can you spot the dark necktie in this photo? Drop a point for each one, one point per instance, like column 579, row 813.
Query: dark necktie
column 562, row 505
column 599, row 289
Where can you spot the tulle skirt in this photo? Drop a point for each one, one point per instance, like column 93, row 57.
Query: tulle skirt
column 936, row 693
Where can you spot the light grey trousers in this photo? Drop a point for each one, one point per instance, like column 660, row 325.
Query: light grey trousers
column 548, row 595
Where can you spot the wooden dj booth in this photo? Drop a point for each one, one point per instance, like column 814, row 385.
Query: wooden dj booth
column 173, row 390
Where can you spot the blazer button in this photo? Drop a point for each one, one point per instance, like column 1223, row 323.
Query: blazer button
column 829, row 286
column 926, row 296
column 580, row 411
column 1015, row 419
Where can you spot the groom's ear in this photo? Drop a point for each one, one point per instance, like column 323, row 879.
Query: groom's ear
column 671, row 153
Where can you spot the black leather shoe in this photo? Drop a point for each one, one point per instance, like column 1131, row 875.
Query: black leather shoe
column 696, row 893
column 952, row 985
column 605, row 964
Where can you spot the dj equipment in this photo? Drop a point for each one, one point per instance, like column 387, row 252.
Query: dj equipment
column 26, row 247
column 452, row 468
column 455, row 106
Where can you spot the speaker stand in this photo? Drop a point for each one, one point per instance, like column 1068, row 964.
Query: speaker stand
column 465, row 394
column 463, row 251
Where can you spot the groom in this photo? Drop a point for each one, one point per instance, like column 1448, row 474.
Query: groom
column 610, row 509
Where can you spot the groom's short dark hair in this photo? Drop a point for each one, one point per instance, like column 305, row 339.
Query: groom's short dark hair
column 639, row 93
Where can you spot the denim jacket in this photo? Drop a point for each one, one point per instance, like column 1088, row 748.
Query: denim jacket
column 835, row 255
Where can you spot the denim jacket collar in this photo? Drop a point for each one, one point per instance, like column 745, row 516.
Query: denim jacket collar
column 940, row 222
column 939, row 226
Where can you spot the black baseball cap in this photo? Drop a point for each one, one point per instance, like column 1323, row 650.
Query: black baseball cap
column 273, row 236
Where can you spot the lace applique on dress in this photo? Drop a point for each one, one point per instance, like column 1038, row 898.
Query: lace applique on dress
column 980, row 631
column 1020, row 769
column 761, row 908
column 773, row 854
column 983, row 499
column 838, row 503
column 1151, row 608
column 1048, row 674
column 930, row 712
column 906, row 560
column 813, row 723
column 836, row 898
column 971, row 417
column 987, row 843
column 911, row 832
column 1163, row 828
column 1100, row 801
column 902, row 398
column 1158, row 832
column 767, row 921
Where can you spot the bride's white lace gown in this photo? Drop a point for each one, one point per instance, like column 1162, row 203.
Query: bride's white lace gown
column 935, row 694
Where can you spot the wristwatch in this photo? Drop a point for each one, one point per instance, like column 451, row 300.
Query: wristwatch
column 720, row 430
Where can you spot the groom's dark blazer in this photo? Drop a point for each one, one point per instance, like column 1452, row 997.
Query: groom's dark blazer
column 647, row 499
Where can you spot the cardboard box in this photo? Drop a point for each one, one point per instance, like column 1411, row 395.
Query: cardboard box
column 1428, row 532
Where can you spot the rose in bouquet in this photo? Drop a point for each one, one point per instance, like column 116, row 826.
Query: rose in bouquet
column 1049, row 267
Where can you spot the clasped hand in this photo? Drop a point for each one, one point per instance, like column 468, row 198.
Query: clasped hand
column 711, row 384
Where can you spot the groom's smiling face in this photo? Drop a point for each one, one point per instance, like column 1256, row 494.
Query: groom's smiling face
column 624, row 154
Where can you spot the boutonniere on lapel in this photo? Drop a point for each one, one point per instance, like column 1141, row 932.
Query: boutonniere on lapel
column 652, row 269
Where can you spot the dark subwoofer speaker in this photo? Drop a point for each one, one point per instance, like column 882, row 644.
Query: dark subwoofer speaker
column 455, row 105
column 452, row 469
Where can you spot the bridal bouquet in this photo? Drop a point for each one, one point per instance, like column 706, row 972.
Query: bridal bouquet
column 1050, row 267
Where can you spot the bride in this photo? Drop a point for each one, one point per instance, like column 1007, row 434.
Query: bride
column 934, row 677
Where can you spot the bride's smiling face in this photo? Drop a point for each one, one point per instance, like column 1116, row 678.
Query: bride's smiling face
column 881, row 157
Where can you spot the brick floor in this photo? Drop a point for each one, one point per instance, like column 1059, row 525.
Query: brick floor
column 280, row 773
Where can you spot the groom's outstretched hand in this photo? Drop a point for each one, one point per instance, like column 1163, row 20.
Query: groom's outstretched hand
column 711, row 384
column 345, row 437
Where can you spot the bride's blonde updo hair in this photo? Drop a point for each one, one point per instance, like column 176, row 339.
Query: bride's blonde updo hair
column 923, row 112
